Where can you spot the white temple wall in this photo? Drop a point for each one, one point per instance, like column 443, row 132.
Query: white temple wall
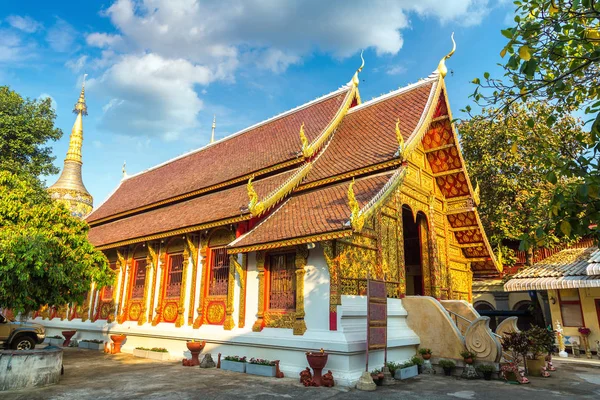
column 346, row 346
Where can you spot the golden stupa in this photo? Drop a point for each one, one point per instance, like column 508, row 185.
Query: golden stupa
column 69, row 188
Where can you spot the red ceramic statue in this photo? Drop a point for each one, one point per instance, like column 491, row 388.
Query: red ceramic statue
column 327, row 379
column 305, row 377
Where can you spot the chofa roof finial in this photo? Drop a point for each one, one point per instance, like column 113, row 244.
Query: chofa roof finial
column 442, row 69
column 355, row 80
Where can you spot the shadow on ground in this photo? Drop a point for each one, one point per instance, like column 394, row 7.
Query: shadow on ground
column 98, row 376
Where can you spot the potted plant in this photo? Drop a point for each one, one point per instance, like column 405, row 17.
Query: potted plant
column 418, row 361
column 377, row 376
column 541, row 342
column 195, row 347
column 447, row 366
column 406, row 370
column 158, row 353
column 56, row 340
column 425, row 353
column 392, row 366
column 518, row 344
column 317, row 361
column 468, row 356
column 141, row 352
column 93, row 344
column 117, row 342
column 234, row 363
column 585, row 333
column 262, row 367
column 486, row 370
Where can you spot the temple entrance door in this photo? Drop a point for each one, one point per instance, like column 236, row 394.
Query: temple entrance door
column 412, row 254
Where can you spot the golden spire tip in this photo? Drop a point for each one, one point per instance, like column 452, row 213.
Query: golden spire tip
column 355, row 80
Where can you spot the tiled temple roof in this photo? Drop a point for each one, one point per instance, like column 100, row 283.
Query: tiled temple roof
column 315, row 212
column 216, row 206
column 367, row 135
column 569, row 268
column 260, row 147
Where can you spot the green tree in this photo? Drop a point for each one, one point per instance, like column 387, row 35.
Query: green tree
column 25, row 127
column 45, row 256
column 505, row 158
column 553, row 56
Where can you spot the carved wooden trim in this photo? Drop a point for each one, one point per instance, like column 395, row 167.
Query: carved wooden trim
column 203, row 247
column 229, row 324
column 193, row 249
column 301, row 260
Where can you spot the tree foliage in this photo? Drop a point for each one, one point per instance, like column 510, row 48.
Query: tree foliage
column 45, row 256
column 25, row 126
column 553, row 56
column 507, row 159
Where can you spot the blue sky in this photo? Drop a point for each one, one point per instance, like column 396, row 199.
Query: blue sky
column 159, row 69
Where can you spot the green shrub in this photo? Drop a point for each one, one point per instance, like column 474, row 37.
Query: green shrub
column 423, row 351
column 486, row 368
column 467, row 354
column 392, row 366
column 447, row 364
column 417, row 360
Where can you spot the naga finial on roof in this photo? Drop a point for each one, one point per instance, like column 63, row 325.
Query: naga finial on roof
column 253, row 205
column 442, row 69
column 357, row 220
column 305, row 145
column 355, row 80
column 400, row 139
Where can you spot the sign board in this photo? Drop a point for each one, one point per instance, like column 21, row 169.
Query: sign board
column 376, row 315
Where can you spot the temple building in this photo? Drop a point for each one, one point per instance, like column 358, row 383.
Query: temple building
column 261, row 243
column 69, row 188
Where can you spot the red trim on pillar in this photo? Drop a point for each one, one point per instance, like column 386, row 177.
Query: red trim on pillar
column 333, row 320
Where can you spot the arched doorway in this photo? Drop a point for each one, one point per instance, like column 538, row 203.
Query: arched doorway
column 524, row 322
column 485, row 306
column 412, row 254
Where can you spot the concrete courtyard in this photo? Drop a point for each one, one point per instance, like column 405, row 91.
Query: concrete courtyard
column 94, row 375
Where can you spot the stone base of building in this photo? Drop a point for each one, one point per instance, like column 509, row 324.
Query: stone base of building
column 346, row 346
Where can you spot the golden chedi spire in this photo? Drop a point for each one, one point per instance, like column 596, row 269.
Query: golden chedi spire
column 69, row 188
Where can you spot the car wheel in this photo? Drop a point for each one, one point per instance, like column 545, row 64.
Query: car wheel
column 23, row 343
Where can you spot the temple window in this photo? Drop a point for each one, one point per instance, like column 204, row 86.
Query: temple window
column 139, row 278
column 219, row 272
column 282, row 282
column 174, row 275
column 570, row 307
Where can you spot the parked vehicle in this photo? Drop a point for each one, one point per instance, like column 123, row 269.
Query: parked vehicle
column 20, row 335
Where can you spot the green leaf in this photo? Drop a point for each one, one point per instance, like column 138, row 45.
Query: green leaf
column 565, row 228
column 507, row 33
column 530, row 123
column 551, row 177
column 486, row 75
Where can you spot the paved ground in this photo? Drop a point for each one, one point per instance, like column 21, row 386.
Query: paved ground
column 94, row 375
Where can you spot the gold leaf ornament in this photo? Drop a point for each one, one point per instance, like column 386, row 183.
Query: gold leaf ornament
column 400, row 139
column 357, row 220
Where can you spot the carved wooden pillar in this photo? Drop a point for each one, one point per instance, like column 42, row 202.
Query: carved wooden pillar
column 126, row 291
column 243, row 273
column 122, row 276
column 301, row 258
column 335, row 297
column 203, row 249
column 260, row 267
column 400, row 246
column 181, row 305
column 228, row 324
column 433, row 253
column 160, row 303
column 189, row 240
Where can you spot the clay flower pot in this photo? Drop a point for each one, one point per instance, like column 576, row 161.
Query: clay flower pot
column 68, row 335
column 195, row 348
column 426, row 356
column 468, row 360
column 117, row 342
column 317, row 362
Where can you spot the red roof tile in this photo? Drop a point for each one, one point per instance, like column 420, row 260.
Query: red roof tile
column 367, row 135
column 210, row 207
column 313, row 212
column 260, row 147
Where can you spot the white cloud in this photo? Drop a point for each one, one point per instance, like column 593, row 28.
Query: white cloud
column 164, row 48
column 151, row 95
column 25, row 24
column 61, row 37
column 102, row 40
column 13, row 49
column 396, row 70
column 77, row 64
